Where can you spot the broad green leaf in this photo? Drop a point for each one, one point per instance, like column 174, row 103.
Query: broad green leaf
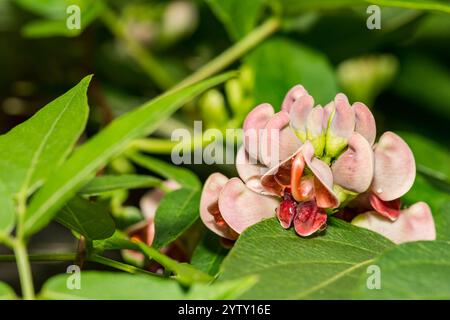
column 6, row 211
column 293, row 7
column 107, row 183
column 209, row 254
column 36, row 148
column 433, row 5
column 176, row 212
column 292, row 267
column 97, row 285
column 179, row 174
column 431, row 158
column 239, row 17
column 442, row 221
column 90, row 219
column 95, row 153
column 279, row 64
column 6, row 292
column 56, row 16
column 416, row 270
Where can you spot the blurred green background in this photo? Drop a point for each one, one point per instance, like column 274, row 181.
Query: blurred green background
column 137, row 49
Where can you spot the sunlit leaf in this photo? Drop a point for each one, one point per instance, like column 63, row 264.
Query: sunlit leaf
column 416, row 270
column 292, row 267
column 107, row 183
column 105, row 145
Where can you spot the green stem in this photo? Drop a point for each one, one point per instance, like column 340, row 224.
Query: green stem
column 233, row 53
column 23, row 265
column 118, row 265
column 143, row 57
column 44, row 257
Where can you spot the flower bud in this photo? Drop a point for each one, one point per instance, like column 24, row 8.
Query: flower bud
column 212, row 106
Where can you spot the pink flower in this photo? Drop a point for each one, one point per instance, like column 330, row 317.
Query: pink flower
column 307, row 162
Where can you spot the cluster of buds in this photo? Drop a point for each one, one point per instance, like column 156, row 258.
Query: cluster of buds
column 307, row 162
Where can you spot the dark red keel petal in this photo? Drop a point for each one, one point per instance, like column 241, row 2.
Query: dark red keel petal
column 286, row 210
column 388, row 209
column 309, row 218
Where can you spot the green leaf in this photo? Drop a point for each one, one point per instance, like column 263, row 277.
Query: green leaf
column 90, row 219
column 176, row 212
column 431, row 158
column 108, row 183
column 55, row 14
column 294, row 7
column 442, row 221
column 95, row 153
column 416, row 270
column 179, row 174
column 115, row 286
column 7, row 211
column 239, row 17
column 33, row 150
column 434, row 5
column 279, row 64
column 6, row 292
column 292, row 267
column 117, row 241
column 209, row 254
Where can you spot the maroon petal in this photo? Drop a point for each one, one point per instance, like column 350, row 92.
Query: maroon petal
column 309, row 219
column 293, row 95
column 388, row 209
column 286, row 211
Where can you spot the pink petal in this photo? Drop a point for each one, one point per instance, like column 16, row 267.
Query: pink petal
column 293, row 94
column 353, row 170
column 414, row 224
column 278, row 141
column 299, row 115
column 388, row 209
column 210, row 197
column 342, row 125
column 249, row 170
column 365, row 122
column 255, row 121
column 143, row 231
column 395, row 168
column 314, row 129
column 240, row 207
column 309, row 219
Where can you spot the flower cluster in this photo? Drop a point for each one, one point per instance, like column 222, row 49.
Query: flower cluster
column 307, row 162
